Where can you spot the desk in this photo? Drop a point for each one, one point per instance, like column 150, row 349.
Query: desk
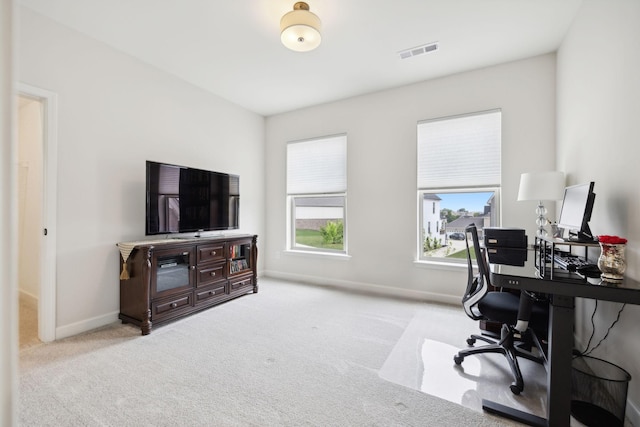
column 562, row 292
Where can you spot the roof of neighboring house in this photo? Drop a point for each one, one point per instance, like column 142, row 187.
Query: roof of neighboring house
column 431, row 196
column 462, row 222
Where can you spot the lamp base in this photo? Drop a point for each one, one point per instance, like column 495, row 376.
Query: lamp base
column 541, row 220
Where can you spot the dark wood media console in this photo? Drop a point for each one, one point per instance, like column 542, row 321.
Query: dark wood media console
column 167, row 279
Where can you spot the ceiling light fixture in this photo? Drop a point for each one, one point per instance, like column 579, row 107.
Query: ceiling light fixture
column 300, row 29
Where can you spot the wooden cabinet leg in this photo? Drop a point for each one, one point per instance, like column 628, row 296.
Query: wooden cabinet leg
column 146, row 323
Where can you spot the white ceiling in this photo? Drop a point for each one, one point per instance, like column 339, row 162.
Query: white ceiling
column 232, row 48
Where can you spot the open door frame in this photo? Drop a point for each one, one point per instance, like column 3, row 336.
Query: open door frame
column 47, row 292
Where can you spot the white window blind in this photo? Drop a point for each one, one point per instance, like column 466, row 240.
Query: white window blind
column 460, row 151
column 318, row 166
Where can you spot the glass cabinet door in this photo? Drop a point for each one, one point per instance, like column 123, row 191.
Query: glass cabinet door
column 172, row 271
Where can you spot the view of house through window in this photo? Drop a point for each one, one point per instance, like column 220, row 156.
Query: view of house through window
column 316, row 194
column 443, row 227
column 459, row 176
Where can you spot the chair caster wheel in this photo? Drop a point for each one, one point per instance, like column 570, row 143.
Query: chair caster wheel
column 471, row 341
column 516, row 389
column 458, row 359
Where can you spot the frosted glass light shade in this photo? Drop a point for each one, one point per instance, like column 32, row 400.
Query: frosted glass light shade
column 300, row 29
column 541, row 186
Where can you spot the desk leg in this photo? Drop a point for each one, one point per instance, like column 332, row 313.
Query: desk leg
column 513, row 414
column 561, row 319
column 558, row 370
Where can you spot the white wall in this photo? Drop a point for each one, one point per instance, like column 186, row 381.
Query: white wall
column 8, row 220
column 598, row 128
column 29, row 196
column 381, row 149
column 114, row 113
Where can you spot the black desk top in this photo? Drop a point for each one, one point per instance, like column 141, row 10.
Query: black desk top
column 563, row 283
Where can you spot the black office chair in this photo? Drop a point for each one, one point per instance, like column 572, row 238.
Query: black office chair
column 526, row 311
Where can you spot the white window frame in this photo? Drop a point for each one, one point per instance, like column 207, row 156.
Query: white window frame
column 336, row 188
column 457, row 184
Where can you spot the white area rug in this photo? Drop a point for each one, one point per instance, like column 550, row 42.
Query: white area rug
column 423, row 360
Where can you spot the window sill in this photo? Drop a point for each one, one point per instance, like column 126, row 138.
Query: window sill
column 312, row 254
column 441, row 265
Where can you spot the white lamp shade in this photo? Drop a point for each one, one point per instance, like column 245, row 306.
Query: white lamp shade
column 540, row 186
column 300, row 30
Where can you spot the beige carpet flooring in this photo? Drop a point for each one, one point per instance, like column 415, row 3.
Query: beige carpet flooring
column 291, row 355
column 28, row 326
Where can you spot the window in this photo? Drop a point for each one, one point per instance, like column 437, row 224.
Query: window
column 317, row 194
column 458, row 181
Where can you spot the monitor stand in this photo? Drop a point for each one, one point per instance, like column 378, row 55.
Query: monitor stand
column 580, row 236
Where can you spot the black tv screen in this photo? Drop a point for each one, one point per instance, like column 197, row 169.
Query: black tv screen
column 182, row 199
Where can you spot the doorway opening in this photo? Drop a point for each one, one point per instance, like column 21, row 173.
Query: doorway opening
column 37, row 121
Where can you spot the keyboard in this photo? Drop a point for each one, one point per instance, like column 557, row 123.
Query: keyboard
column 571, row 262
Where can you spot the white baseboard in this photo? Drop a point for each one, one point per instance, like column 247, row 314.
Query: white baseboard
column 367, row 287
column 86, row 325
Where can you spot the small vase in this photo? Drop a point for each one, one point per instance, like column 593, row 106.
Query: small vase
column 611, row 262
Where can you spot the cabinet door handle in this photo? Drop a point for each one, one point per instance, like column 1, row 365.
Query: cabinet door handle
column 193, row 267
column 185, row 253
column 174, row 305
column 213, row 274
column 213, row 252
column 211, row 293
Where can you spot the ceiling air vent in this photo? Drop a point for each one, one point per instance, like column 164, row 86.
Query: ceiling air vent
column 419, row 50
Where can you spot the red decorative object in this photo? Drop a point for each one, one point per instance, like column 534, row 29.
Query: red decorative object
column 612, row 262
column 612, row 240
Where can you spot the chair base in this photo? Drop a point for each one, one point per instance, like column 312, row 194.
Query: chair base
column 512, row 345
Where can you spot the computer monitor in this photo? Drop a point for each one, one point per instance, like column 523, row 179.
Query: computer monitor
column 575, row 215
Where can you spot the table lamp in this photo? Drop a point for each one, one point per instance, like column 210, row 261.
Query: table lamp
column 541, row 186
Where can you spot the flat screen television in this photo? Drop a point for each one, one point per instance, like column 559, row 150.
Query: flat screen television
column 182, row 199
column 575, row 214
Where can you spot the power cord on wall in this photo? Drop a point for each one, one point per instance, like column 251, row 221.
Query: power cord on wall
column 588, row 351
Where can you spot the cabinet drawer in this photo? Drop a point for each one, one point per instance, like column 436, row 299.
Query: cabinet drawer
column 208, row 253
column 171, row 306
column 211, row 293
column 238, row 285
column 211, row 274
